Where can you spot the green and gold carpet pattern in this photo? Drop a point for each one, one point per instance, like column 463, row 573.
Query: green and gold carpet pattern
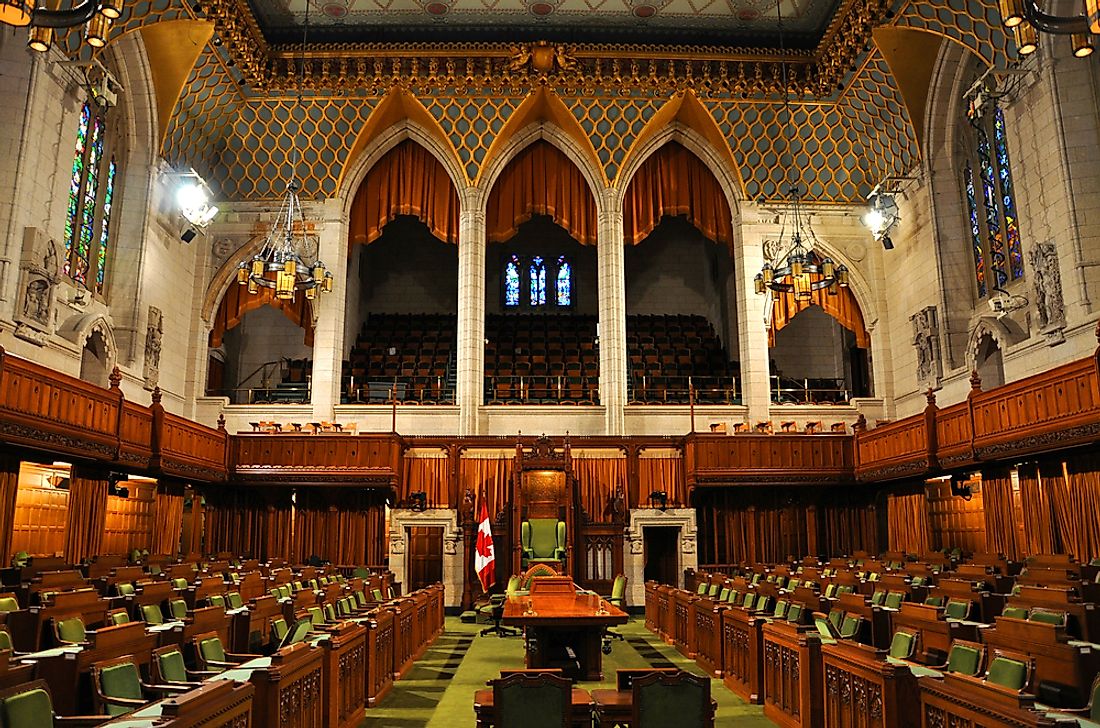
column 439, row 691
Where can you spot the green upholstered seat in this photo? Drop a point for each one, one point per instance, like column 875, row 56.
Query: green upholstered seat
column 211, row 650
column 681, row 699
column 118, row 617
column 934, row 601
column 1048, row 616
column 734, row 597
column 360, row 573
column 1007, row 672
column 1015, row 612
column 874, row 576
column 330, row 612
column 893, row 600
column 917, row 581
column 376, row 594
column 849, row 628
column 542, row 539
column 179, row 583
column 964, row 659
column 360, row 598
column 533, row 702
column 171, row 667
column 702, row 588
column 235, row 600
column 298, row 632
column 120, row 681
column 835, row 618
column 177, row 608
column 618, row 591
column 343, row 606
column 957, row 609
column 830, row 591
column 902, row 645
column 279, row 629
column 314, row 584
column 216, row 600
column 124, row 589
column 712, row 590
column 8, row 604
column 825, row 628
column 794, row 583
column 750, row 600
column 151, row 614
column 71, row 631
column 31, row 709
column 5, row 640
column 845, row 589
column 316, row 616
column 794, row 612
column 878, row 598
column 755, row 579
column 780, row 611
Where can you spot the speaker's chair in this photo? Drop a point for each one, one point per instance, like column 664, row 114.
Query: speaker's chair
column 543, row 541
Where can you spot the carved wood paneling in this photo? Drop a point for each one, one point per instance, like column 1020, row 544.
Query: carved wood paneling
column 39, row 526
column 755, row 459
column 374, row 459
column 129, row 522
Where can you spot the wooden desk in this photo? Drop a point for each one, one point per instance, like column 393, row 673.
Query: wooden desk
column 288, row 687
column 557, row 618
column 743, row 653
column 1058, row 659
column 251, row 630
column 216, row 704
column 345, row 675
column 582, row 708
column 380, row 639
column 792, row 675
column 957, row 700
column 863, row 689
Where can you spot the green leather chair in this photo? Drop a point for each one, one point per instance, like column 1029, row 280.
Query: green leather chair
column 29, row 705
column 849, row 628
column 8, row 603
column 702, row 588
column 211, row 656
column 780, row 611
column 539, row 700
column 543, row 540
column 179, row 583
column 903, row 645
column 151, row 614
column 168, row 668
column 1008, row 672
column 116, row 617
column 297, row 633
column 124, row 589
column 377, row 595
column 177, row 608
column 494, row 610
column 234, row 600
column 1048, row 616
column 618, row 599
column 957, row 609
column 893, row 600
column 118, row 687
column 216, row 600
column 70, row 631
column 794, row 613
column 965, row 658
column 663, row 699
column 825, row 629
column 1015, row 612
column 279, row 630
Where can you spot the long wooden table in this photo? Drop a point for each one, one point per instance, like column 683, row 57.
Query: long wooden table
column 558, row 620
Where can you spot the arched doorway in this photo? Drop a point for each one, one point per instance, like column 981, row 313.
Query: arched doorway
column 95, row 359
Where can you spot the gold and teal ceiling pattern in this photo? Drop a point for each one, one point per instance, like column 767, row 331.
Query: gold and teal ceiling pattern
column 236, row 120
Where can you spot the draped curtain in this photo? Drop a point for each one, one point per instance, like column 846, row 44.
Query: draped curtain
column 343, row 526
column 167, row 523
column 87, row 515
column 236, row 522
column 408, row 180
column 673, row 181
column 660, row 473
column 907, row 523
column 1075, row 497
column 238, row 301
column 998, row 504
column 489, row 477
column 541, row 180
column 842, row 306
column 9, row 487
column 847, row 528
column 597, row 480
column 432, row 475
column 1039, row 535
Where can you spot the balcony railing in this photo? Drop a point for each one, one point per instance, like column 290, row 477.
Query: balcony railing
column 809, row 391
column 542, row 389
column 684, row 389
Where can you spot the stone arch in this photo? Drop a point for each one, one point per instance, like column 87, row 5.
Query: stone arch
column 79, row 329
column 985, row 350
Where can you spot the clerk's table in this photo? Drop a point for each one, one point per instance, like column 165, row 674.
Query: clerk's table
column 564, row 627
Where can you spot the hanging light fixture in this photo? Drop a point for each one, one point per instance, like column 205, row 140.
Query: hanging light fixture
column 281, row 262
column 797, row 269
column 1027, row 19
column 95, row 15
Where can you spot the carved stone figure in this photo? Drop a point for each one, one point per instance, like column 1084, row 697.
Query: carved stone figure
column 926, row 341
column 772, row 249
column 1047, row 281
column 154, row 333
column 38, row 280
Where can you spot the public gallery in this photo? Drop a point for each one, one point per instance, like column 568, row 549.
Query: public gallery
column 550, row 363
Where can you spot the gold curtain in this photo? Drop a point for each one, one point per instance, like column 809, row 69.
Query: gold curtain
column 1039, row 536
column 198, row 525
column 238, row 301
column 167, row 523
column 665, row 474
column 597, row 479
column 432, row 475
column 489, row 478
column 907, row 523
column 340, row 526
column 236, row 522
column 280, row 531
column 847, row 528
column 408, row 180
column 87, row 515
column 9, row 488
column 842, row 307
column 1075, row 496
column 541, row 180
column 998, row 505
column 673, row 181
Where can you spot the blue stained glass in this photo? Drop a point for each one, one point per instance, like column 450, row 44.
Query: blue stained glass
column 992, row 218
column 511, row 282
column 74, row 183
column 975, row 230
column 564, row 283
column 104, row 235
column 79, row 257
column 537, row 275
column 1008, row 200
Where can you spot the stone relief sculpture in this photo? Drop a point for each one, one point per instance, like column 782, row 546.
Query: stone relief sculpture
column 154, row 334
column 1047, row 281
column 926, row 340
column 39, row 276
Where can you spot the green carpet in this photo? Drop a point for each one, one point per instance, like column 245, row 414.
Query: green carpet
column 439, row 691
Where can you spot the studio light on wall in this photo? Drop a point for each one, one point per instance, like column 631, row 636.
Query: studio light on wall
column 881, row 216
column 193, row 200
column 95, row 15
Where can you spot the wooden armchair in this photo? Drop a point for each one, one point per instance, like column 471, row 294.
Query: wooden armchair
column 526, row 699
column 70, row 631
column 29, row 705
column 119, row 689
column 168, row 668
column 671, row 698
column 211, row 656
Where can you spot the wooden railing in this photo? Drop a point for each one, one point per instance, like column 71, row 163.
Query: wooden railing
column 731, row 459
column 51, row 411
column 364, row 459
column 1057, row 409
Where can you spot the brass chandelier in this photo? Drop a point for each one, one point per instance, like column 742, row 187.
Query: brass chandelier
column 798, row 269
column 1026, row 19
column 281, row 262
column 95, row 15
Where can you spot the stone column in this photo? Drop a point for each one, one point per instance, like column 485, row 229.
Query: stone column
column 611, row 275
column 751, row 328
column 470, row 348
column 328, row 334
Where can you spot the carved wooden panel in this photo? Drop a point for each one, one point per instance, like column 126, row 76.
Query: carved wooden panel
column 755, row 459
column 129, row 522
column 189, row 449
column 953, row 521
column 317, row 458
column 39, row 526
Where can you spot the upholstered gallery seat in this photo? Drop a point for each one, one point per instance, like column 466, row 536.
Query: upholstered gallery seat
column 543, row 540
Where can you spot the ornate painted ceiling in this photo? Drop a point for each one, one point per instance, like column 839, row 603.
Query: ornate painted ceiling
column 728, row 23
column 227, row 96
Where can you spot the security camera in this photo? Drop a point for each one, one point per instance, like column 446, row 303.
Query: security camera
column 105, row 91
column 887, row 243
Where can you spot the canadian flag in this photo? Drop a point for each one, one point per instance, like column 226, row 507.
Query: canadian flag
column 484, row 561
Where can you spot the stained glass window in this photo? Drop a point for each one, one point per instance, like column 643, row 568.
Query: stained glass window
column 1008, row 199
column 563, row 285
column 537, row 275
column 992, row 215
column 511, row 282
column 88, row 215
column 975, row 230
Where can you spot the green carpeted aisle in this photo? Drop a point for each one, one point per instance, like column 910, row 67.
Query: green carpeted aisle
column 439, row 690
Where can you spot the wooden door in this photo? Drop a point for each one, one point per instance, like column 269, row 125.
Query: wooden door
column 661, row 552
column 423, row 556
